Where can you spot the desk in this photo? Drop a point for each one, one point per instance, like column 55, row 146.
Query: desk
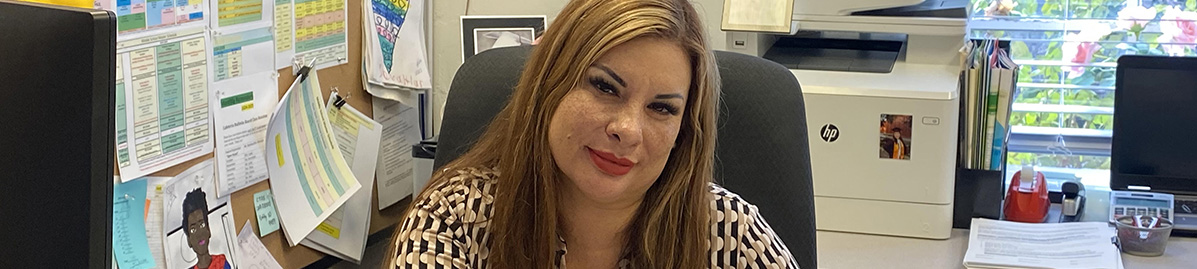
column 848, row 250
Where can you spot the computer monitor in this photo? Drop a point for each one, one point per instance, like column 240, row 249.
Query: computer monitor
column 1155, row 122
column 56, row 136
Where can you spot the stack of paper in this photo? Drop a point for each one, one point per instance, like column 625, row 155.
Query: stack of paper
column 358, row 137
column 989, row 84
column 308, row 175
column 1004, row 244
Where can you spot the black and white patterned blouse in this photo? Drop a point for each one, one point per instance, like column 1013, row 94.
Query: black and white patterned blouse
column 449, row 229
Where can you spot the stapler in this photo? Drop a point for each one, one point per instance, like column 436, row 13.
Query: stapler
column 1073, row 204
column 1026, row 199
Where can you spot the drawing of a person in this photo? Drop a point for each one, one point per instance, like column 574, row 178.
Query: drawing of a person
column 195, row 226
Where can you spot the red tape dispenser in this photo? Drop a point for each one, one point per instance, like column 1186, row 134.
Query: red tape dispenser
column 1026, row 200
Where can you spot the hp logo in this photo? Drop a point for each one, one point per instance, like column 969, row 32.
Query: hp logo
column 829, row 133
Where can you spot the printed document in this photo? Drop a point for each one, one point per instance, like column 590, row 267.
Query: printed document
column 308, row 176
column 319, row 29
column 400, row 131
column 242, row 53
column 344, row 233
column 1005, row 244
column 162, row 102
column 242, row 108
column 250, row 251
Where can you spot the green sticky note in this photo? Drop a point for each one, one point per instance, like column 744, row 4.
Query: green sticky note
column 267, row 217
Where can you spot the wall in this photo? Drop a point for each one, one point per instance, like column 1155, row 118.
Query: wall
column 445, row 37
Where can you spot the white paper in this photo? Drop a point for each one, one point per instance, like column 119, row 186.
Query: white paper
column 236, row 54
column 250, row 251
column 162, row 101
column 308, row 176
column 140, row 18
column 400, row 131
column 394, row 55
column 320, row 32
column 344, row 233
column 239, row 15
column 1004, row 244
column 241, row 108
column 284, row 33
column 153, row 219
column 180, row 253
column 759, row 12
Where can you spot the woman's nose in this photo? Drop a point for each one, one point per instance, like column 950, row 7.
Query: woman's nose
column 626, row 128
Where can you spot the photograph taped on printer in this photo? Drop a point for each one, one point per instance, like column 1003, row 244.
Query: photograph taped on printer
column 895, row 136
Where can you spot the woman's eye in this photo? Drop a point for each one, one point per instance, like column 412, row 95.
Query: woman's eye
column 602, row 86
column 663, row 108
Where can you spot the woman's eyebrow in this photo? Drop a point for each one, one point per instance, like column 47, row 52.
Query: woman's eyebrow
column 611, row 73
column 670, row 95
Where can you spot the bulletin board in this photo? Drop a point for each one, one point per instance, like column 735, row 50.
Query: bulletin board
column 348, row 79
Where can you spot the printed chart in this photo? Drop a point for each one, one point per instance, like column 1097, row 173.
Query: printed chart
column 320, row 31
column 164, row 84
column 308, row 175
column 234, row 12
column 137, row 15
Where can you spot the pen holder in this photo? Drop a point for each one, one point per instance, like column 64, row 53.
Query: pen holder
column 1147, row 241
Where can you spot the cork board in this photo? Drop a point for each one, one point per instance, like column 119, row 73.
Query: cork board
column 348, row 79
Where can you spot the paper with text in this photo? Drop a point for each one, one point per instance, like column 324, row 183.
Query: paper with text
column 320, row 32
column 241, row 111
column 131, row 248
column 162, row 105
column 251, row 253
column 267, row 216
column 1004, row 244
column 344, row 233
column 236, row 54
column 139, row 18
column 308, row 176
column 237, row 15
column 400, row 131
column 774, row 13
column 284, row 21
column 153, row 219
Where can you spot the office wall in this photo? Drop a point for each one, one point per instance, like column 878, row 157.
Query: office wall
column 445, row 34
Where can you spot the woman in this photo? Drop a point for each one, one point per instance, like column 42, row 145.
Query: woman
column 602, row 158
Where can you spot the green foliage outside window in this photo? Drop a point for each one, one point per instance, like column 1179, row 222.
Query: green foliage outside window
column 1083, row 53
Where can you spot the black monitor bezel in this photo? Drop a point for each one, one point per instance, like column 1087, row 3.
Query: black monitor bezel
column 1122, row 181
column 103, row 124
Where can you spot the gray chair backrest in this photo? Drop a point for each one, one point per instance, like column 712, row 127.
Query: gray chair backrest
column 761, row 153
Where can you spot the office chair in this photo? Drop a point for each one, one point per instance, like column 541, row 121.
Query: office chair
column 761, row 153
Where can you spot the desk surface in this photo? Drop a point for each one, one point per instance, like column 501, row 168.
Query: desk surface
column 849, row 250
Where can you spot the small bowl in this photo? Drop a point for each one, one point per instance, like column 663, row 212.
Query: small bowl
column 1143, row 241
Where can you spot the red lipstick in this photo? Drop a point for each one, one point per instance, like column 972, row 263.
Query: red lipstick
column 609, row 163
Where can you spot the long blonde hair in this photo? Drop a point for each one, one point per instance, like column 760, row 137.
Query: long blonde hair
column 672, row 227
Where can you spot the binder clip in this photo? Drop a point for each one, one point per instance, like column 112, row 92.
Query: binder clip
column 338, row 100
column 301, row 70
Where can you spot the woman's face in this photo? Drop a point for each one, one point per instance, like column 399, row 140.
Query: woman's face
column 613, row 133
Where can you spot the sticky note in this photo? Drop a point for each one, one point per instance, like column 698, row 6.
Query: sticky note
column 129, row 243
column 278, row 140
column 329, row 230
column 267, row 217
